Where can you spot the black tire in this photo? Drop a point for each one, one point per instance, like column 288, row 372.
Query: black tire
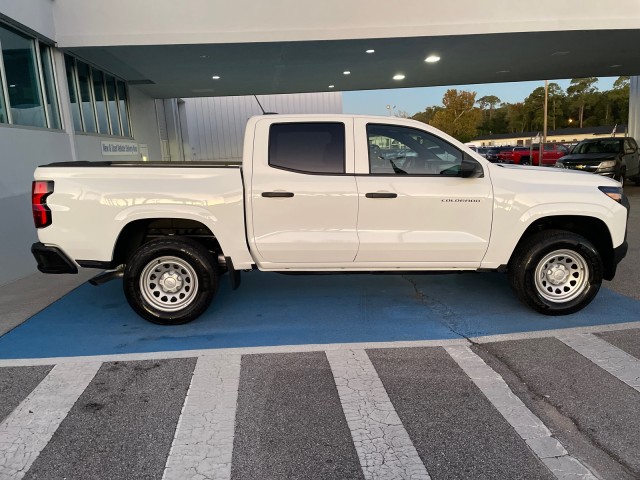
column 538, row 259
column 178, row 271
column 525, row 161
column 622, row 175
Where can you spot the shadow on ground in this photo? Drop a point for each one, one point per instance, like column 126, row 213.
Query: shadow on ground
column 272, row 309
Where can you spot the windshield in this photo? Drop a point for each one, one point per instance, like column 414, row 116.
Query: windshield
column 599, row 146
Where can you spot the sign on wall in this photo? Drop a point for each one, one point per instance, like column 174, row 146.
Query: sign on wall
column 119, row 148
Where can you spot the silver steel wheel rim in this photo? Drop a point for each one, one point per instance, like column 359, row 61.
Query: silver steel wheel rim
column 562, row 276
column 168, row 284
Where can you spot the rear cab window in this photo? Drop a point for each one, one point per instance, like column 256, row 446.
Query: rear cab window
column 313, row 148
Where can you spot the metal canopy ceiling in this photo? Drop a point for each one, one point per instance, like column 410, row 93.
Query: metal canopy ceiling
column 171, row 71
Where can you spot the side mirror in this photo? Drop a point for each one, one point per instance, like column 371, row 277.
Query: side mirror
column 469, row 168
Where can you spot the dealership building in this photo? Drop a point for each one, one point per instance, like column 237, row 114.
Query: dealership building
column 166, row 81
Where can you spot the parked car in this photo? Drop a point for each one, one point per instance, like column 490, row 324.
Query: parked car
column 551, row 152
column 482, row 151
column 615, row 157
column 493, row 153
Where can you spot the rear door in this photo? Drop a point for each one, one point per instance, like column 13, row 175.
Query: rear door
column 304, row 202
column 415, row 209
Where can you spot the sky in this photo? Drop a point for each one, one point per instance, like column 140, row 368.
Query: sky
column 414, row 100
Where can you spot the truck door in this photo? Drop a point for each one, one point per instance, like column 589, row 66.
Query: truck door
column 304, row 203
column 415, row 206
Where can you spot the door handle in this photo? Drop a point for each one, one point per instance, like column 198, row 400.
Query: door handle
column 277, row 194
column 381, row 195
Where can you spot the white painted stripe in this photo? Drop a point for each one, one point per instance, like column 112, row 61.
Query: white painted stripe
column 529, row 427
column 28, row 429
column 203, row 442
column 125, row 357
column 617, row 362
column 383, row 445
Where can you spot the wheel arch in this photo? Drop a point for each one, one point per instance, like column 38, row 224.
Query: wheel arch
column 138, row 232
column 593, row 229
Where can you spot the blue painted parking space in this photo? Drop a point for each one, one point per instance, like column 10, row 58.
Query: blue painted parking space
column 272, row 309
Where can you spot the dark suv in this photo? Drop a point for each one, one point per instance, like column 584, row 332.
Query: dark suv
column 615, row 157
column 493, row 154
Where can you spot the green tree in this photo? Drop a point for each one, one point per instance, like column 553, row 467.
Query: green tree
column 580, row 92
column 555, row 105
column 427, row 114
column 516, row 119
column 534, row 109
column 459, row 118
column 490, row 101
column 619, row 100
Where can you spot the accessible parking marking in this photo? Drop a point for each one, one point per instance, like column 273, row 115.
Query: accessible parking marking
column 203, row 442
column 612, row 359
column 28, row 429
column 529, row 427
column 383, row 445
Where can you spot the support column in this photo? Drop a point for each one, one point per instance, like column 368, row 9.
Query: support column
column 634, row 108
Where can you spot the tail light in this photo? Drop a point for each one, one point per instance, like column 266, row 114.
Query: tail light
column 40, row 190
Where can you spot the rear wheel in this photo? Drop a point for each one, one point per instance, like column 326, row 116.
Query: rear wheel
column 525, row 161
column 170, row 281
column 556, row 272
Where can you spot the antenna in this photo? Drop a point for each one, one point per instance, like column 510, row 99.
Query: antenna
column 260, row 105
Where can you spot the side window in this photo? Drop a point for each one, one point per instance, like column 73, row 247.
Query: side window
column 308, row 147
column 629, row 146
column 396, row 150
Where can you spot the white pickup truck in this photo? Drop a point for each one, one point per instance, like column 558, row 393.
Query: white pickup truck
column 329, row 193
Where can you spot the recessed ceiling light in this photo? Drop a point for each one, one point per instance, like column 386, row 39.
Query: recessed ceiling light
column 398, row 76
column 561, row 53
column 614, row 66
column 331, row 86
column 432, row 59
column 216, row 77
column 204, row 56
column 346, row 72
column 371, row 50
column 503, row 71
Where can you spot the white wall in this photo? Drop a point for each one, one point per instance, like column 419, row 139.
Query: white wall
column 148, row 22
column 34, row 14
column 216, row 125
column 22, row 151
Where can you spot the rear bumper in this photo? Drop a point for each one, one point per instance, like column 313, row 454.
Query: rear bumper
column 52, row 259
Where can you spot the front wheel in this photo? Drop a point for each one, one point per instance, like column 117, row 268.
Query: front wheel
column 170, row 281
column 556, row 272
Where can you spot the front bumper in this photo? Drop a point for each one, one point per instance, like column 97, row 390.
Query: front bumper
column 52, row 259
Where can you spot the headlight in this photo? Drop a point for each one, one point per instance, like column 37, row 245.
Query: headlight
column 607, row 164
column 614, row 193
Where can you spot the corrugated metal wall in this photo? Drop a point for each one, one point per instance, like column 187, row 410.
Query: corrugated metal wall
column 216, row 124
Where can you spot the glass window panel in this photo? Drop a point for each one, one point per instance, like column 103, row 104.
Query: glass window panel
column 73, row 95
column 308, row 147
column 3, row 111
column 112, row 102
column 85, row 97
column 396, row 150
column 25, row 98
column 101, row 103
column 124, row 109
column 50, row 87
